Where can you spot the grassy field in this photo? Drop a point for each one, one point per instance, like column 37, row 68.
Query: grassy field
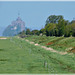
column 19, row 56
column 58, row 43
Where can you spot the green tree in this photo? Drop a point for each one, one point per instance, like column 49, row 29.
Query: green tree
column 53, row 19
column 28, row 32
column 43, row 31
column 22, row 34
column 50, row 29
column 68, row 30
column 35, row 32
column 73, row 29
column 61, row 27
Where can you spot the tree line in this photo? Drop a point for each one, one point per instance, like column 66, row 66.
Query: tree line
column 55, row 25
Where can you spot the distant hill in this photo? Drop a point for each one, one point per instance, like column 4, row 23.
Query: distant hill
column 15, row 27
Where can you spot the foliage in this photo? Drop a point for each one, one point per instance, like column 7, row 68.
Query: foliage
column 58, row 26
column 68, row 31
column 73, row 29
column 28, row 32
column 35, row 32
column 50, row 29
column 53, row 19
column 22, row 34
column 43, row 31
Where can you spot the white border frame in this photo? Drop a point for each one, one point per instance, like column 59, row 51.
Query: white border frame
column 38, row 0
column 42, row 1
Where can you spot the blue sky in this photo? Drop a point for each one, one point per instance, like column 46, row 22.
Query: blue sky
column 34, row 14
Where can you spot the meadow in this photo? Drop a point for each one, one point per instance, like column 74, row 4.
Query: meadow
column 19, row 56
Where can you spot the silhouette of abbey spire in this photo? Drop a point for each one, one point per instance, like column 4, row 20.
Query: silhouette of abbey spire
column 19, row 19
column 18, row 14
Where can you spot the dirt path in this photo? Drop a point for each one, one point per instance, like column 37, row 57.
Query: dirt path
column 3, row 38
column 50, row 49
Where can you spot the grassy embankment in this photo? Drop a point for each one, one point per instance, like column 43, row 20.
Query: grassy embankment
column 18, row 56
column 57, row 43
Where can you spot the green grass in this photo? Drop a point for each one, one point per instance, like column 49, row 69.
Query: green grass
column 59, row 43
column 18, row 56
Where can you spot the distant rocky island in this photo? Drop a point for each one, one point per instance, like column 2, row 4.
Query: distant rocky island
column 15, row 28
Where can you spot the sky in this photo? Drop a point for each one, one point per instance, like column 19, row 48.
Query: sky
column 34, row 13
